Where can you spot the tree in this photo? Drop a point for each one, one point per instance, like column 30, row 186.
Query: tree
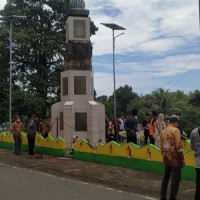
column 93, row 28
column 4, row 75
column 178, row 101
column 185, row 106
column 194, row 98
column 149, row 102
column 123, row 96
column 102, row 99
column 189, row 118
column 161, row 100
column 38, row 52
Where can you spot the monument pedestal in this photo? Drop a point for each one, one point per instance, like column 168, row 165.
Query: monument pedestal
column 77, row 113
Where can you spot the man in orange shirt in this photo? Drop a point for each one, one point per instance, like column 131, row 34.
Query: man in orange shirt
column 152, row 126
column 172, row 151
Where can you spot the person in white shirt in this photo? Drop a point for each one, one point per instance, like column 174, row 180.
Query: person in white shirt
column 122, row 122
column 195, row 146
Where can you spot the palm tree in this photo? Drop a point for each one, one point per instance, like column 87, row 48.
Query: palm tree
column 161, row 99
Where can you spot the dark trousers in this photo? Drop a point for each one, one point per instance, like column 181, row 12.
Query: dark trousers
column 46, row 135
column 132, row 139
column 146, row 136
column 197, row 194
column 175, row 173
column 31, row 145
column 17, row 144
column 151, row 139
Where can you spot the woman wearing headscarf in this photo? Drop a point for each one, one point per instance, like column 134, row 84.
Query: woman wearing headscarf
column 159, row 125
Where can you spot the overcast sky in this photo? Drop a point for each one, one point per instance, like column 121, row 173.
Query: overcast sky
column 160, row 47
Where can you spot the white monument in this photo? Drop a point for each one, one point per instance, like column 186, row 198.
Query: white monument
column 77, row 113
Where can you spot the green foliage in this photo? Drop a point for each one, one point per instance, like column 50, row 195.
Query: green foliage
column 95, row 94
column 189, row 119
column 168, row 103
column 194, row 98
column 93, row 28
column 102, row 98
column 161, row 100
column 123, row 96
column 38, row 55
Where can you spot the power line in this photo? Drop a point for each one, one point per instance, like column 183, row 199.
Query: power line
column 171, row 80
column 185, row 74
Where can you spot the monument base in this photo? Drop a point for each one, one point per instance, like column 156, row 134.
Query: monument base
column 85, row 119
column 77, row 113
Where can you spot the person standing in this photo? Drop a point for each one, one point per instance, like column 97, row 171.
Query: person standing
column 172, row 151
column 121, row 128
column 159, row 127
column 44, row 128
column 130, row 126
column 145, row 126
column 152, row 126
column 111, row 133
column 16, row 131
column 106, row 127
column 32, row 127
column 116, row 125
column 194, row 143
column 122, row 122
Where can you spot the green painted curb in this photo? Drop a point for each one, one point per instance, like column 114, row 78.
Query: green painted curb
column 188, row 172
column 37, row 149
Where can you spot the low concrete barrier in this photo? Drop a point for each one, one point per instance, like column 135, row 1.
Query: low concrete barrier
column 146, row 158
column 48, row 145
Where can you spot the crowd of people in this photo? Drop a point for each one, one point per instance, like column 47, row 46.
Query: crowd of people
column 121, row 129
column 166, row 135
column 33, row 127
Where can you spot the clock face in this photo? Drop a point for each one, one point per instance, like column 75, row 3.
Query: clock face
column 79, row 29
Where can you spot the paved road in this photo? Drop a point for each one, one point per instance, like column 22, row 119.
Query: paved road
column 67, row 168
column 19, row 183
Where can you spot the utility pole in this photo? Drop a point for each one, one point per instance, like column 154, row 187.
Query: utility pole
column 11, row 19
column 114, row 27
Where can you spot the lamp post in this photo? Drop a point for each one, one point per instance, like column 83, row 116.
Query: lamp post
column 11, row 19
column 114, row 27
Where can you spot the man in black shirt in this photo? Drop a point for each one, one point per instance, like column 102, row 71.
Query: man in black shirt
column 145, row 125
column 130, row 126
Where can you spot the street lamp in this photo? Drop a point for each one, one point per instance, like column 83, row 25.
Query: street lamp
column 114, row 27
column 11, row 19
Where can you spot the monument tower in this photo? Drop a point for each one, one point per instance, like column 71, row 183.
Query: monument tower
column 78, row 113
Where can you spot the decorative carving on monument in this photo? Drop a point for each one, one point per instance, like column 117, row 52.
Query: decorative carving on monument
column 78, row 56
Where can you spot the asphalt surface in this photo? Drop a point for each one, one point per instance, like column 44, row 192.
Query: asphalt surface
column 19, row 183
column 62, row 176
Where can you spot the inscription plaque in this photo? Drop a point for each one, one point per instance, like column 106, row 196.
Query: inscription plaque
column 61, row 121
column 80, row 85
column 65, row 86
column 80, row 121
